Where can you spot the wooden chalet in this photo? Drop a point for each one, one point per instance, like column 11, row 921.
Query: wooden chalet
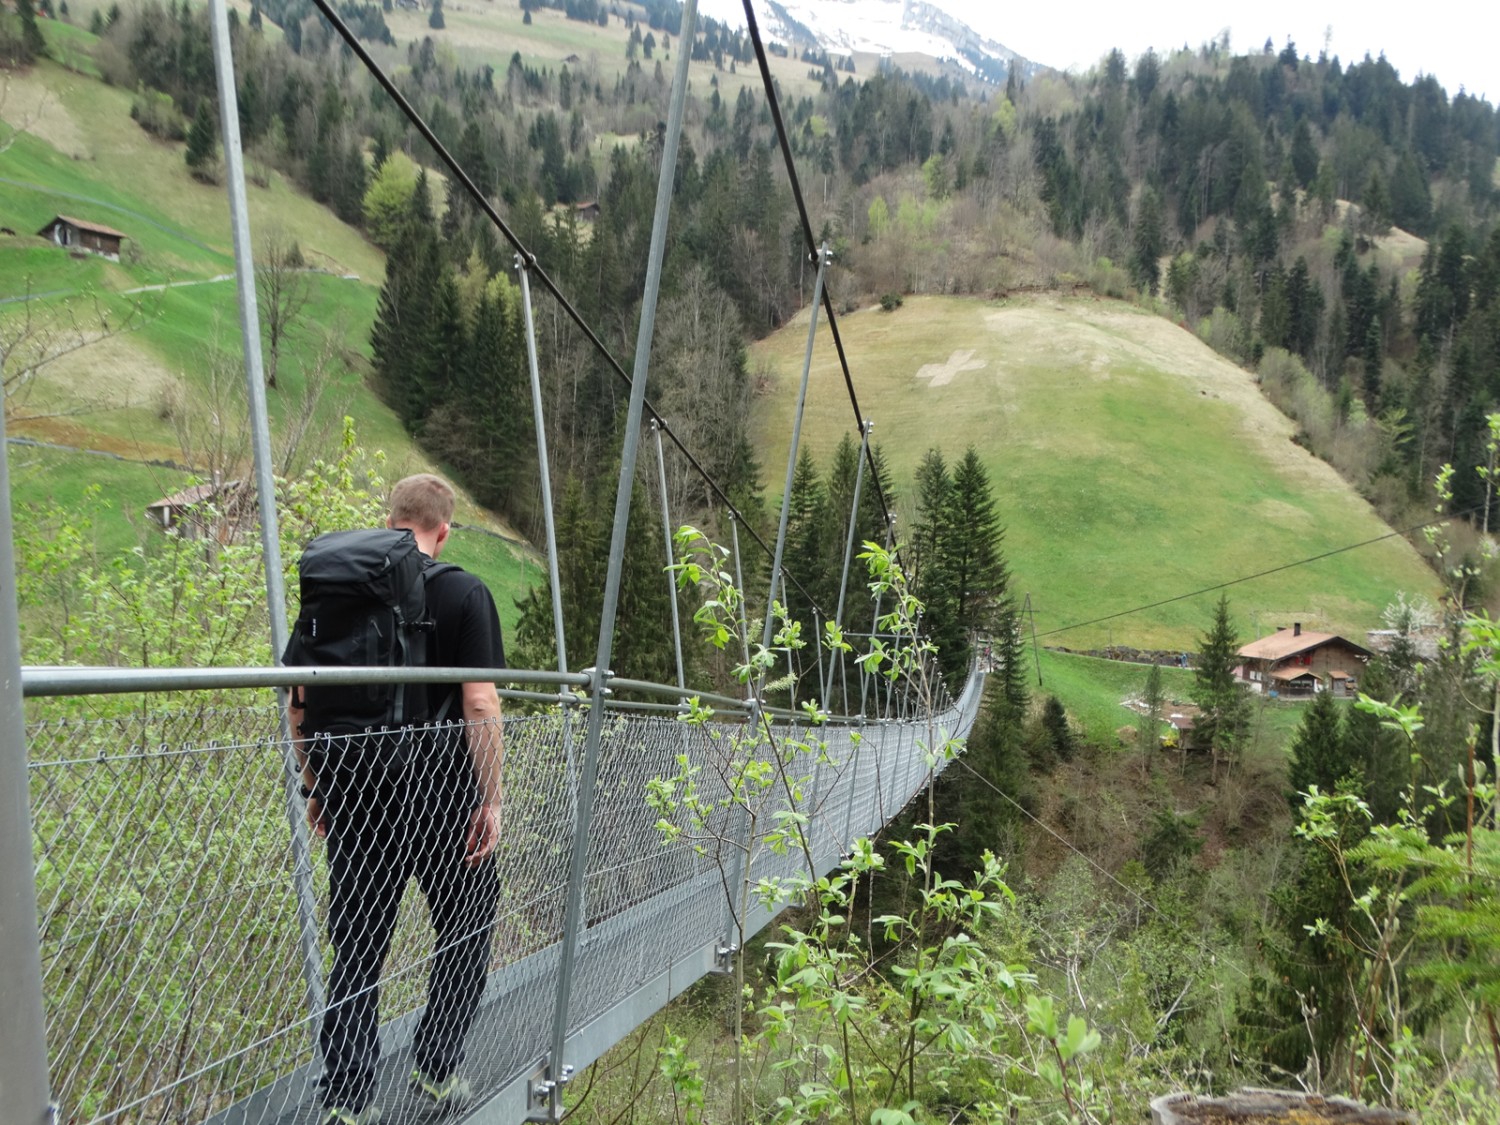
column 221, row 512
column 80, row 234
column 1296, row 663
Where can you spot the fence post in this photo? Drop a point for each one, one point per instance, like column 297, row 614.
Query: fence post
column 547, row 1099
column 24, row 1082
column 265, row 487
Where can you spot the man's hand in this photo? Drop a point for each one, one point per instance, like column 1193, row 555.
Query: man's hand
column 315, row 818
column 484, row 834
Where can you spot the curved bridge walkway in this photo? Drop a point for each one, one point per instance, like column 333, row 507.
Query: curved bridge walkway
column 171, row 934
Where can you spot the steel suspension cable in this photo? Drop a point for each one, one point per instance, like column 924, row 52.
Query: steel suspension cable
column 807, row 233
column 384, row 80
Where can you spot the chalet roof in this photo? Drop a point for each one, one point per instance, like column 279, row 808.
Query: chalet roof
column 1289, row 674
column 84, row 224
column 195, row 494
column 1182, row 717
column 1288, row 642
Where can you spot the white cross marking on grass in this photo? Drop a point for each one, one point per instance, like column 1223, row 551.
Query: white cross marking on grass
column 942, row 374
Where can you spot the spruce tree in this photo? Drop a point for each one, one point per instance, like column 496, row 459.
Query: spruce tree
column 971, row 552
column 1321, row 753
column 1223, row 702
column 1148, row 242
column 32, row 44
column 203, row 141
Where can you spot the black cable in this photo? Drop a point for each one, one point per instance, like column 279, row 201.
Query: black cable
column 462, row 178
column 1065, row 842
column 1261, row 573
column 812, row 245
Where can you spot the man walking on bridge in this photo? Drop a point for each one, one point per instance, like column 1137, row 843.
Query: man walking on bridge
column 422, row 799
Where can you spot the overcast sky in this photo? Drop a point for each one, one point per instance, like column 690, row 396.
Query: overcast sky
column 1457, row 43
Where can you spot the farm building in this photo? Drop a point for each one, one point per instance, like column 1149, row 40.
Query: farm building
column 83, row 235
column 222, row 512
column 1291, row 662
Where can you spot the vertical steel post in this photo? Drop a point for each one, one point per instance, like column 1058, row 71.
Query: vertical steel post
column 523, row 270
column 752, row 719
column 666, row 526
column 791, row 457
column 739, row 579
column 24, row 1081
column 822, row 696
column 838, row 613
column 265, row 488
column 566, row 698
column 558, row 1072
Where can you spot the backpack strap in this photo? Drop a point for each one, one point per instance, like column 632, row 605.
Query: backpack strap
column 429, row 572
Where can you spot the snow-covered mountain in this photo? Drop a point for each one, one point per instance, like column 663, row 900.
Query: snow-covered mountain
column 880, row 27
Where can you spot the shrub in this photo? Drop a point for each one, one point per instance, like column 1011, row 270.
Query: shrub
column 156, row 113
column 890, row 302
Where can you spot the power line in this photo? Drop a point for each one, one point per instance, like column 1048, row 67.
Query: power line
column 1258, row 574
column 1065, row 842
column 462, row 178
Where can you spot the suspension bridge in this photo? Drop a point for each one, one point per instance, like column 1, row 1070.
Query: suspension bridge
column 162, row 903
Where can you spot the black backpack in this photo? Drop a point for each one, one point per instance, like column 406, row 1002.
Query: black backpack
column 364, row 602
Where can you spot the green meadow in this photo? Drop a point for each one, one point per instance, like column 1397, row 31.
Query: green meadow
column 83, row 156
column 1130, row 463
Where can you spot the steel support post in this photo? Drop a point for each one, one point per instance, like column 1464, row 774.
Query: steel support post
column 666, row 526
column 523, row 270
column 739, row 580
column 838, row 612
column 24, row 1081
column 265, row 488
column 791, row 457
column 739, row 857
column 558, row 1072
column 567, row 699
column 822, row 696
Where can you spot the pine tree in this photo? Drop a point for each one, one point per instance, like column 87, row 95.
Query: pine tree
column 203, row 141
column 435, row 18
column 1224, row 703
column 32, row 44
column 1321, row 751
column 806, row 556
column 1148, row 243
column 971, row 551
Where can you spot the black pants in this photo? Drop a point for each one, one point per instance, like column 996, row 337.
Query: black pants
column 396, row 809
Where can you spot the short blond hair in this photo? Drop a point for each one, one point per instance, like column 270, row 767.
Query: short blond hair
column 423, row 501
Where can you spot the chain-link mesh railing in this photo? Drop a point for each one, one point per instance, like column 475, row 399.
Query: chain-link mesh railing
column 172, row 940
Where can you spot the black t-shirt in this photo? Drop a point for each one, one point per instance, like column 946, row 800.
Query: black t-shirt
column 466, row 632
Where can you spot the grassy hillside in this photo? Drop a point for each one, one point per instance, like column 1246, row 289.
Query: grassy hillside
column 489, row 32
column 82, row 155
column 1130, row 463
